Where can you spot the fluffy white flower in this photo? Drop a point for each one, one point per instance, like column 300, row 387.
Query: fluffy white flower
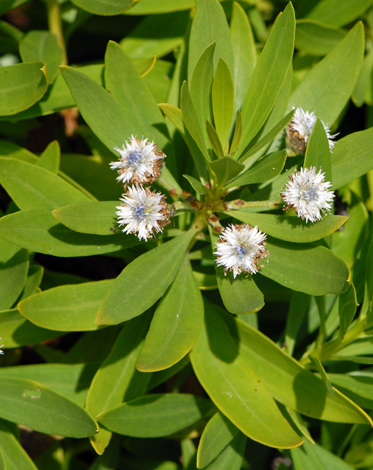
column 140, row 162
column 308, row 194
column 240, row 249
column 300, row 128
column 143, row 212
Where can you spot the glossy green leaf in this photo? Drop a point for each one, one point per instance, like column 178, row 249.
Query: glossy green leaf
column 201, row 83
column 291, row 229
column 13, row 454
column 232, row 456
column 324, row 376
column 21, row 86
column 300, row 389
column 70, row 380
column 97, row 218
column 13, row 275
column 352, row 157
column 244, row 53
column 357, row 385
column 117, row 380
column 176, row 324
column 217, row 435
column 156, row 415
column 214, row 140
column 33, row 280
column 328, row 86
column 32, row 186
column 363, row 88
column 223, row 101
column 16, row 331
column 307, row 268
column 299, row 306
column 37, row 230
column 191, row 120
column 40, row 408
column 149, row 7
column 12, row 150
column 265, row 169
column 139, row 108
column 236, row 139
column 152, row 273
column 50, row 158
column 234, row 388
column 316, row 38
column 226, row 169
column 268, row 76
column 66, row 308
column 197, row 185
column 318, row 152
column 347, row 309
column 315, row 456
column 336, row 13
column 42, row 46
column 209, row 25
column 104, row 7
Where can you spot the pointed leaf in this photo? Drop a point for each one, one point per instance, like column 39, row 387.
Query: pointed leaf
column 317, row 38
column 176, row 324
column 13, row 275
column 197, row 185
column 318, row 152
column 50, row 158
column 223, row 101
column 234, row 388
column 150, row 273
column 347, row 309
column 13, row 454
column 226, row 169
column 338, row 14
column 214, row 140
column 232, row 456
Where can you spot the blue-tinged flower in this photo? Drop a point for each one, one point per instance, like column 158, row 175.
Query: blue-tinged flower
column 300, row 128
column 140, row 162
column 240, row 249
column 308, row 193
column 143, row 212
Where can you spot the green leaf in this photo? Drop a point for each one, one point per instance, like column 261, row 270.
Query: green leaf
column 66, row 308
column 237, row 133
column 97, row 218
column 318, row 152
column 42, row 46
column 291, row 229
column 117, row 379
column 315, row 456
column 176, row 324
column 232, row 456
column 347, row 309
column 214, row 140
column 37, row 230
column 265, row 169
column 269, row 75
column 223, row 101
column 363, row 88
column 13, row 275
column 196, row 185
column 300, row 389
column 191, row 120
column 50, row 158
column 357, row 385
column 336, row 13
column 299, row 306
column 328, row 86
column 69, row 380
column 150, row 273
column 316, row 38
column 226, row 169
column 31, row 186
column 13, row 454
column 139, row 108
column 33, row 280
column 21, row 86
column 217, row 435
column 200, row 85
column 40, row 408
column 234, row 388
column 149, row 7
column 352, row 157
column 311, row 269
column 209, row 25
column 244, row 53
column 156, row 415
column 16, row 331
column 104, row 7
column 324, row 376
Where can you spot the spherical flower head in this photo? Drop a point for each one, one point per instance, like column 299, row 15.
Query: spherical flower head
column 308, row 193
column 300, row 128
column 143, row 212
column 240, row 249
column 140, row 162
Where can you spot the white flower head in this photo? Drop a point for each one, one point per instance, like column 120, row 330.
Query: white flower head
column 300, row 128
column 140, row 162
column 308, row 193
column 240, row 249
column 143, row 212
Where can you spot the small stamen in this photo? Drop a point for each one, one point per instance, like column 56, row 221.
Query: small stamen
column 134, row 158
column 241, row 251
column 140, row 211
column 309, row 194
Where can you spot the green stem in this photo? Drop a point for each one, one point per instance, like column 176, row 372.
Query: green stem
column 55, row 26
column 240, row 204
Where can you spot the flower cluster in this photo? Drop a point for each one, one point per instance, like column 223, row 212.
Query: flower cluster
column 142, row 211
column 300, row 128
